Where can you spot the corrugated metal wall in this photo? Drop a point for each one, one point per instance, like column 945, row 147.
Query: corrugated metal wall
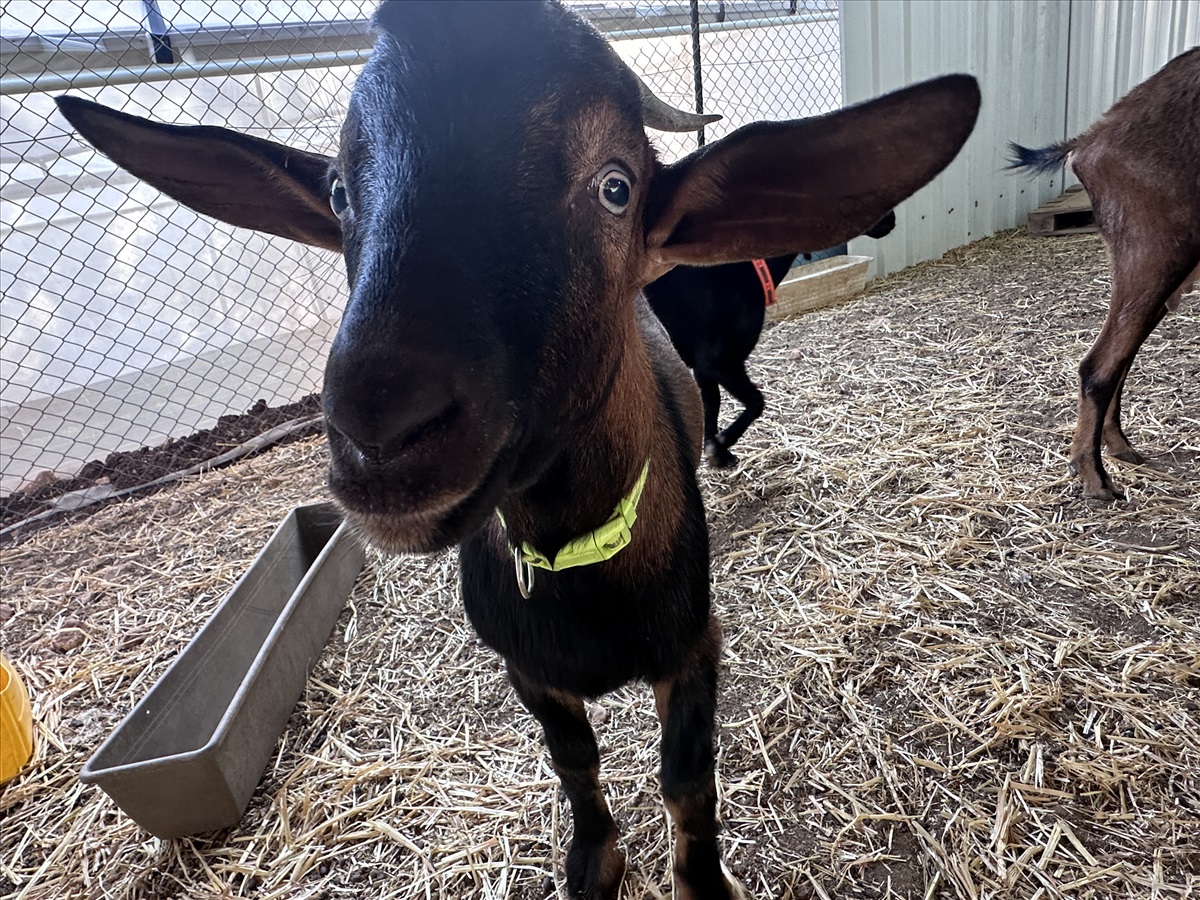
column 1116, row 44
column 1047, row 69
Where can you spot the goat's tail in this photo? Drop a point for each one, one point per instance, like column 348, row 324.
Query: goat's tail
column 1040, row 161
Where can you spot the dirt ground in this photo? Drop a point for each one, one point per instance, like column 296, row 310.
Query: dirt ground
column 131, row 468
column 946, row 676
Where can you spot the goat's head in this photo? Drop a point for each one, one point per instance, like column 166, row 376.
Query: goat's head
column 499, row 206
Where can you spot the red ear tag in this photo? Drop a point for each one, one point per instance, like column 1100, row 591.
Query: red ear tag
column 764, row 275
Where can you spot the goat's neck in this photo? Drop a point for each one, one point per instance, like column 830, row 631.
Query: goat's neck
column 600, row 463
column 779, row 266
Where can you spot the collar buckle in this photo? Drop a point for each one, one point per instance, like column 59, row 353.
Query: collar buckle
column 524, row 573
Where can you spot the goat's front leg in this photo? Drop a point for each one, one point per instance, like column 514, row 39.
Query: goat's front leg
column 595, row 867
column 687, row 706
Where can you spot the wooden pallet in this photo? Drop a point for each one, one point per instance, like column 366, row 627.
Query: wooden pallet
column 1069, row 213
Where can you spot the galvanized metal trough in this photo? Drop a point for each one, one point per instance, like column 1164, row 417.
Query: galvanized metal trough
column 188, row 757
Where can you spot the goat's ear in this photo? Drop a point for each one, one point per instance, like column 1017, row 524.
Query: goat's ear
column 233, row 177
column 772, row 188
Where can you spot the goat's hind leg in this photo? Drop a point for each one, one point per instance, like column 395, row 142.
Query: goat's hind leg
column 1113, row 436
column 738, row 383
column 687, row 706
column 595, row 867
column 710, row 395
column 1115, row 440
column 1139, row 296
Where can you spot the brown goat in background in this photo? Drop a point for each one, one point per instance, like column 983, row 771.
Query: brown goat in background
column 1140, row 164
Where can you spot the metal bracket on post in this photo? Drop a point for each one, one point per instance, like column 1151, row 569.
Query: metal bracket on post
column 161, row 50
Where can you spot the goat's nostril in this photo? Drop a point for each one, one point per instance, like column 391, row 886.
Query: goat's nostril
column 377, row 431
column 368, row 453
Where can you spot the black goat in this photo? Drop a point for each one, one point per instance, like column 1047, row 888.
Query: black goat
column 1140, row 165
column 714, row 315
column 529, row 408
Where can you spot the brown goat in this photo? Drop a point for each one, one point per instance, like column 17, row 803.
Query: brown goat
column 1140, row 164
column 524, row 409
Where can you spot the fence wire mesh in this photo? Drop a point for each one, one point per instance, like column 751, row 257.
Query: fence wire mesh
column 130, row 322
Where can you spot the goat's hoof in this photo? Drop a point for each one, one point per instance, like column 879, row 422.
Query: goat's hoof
column 1129, row 455
column 1096, row 483
column 595, row 870
column 1106, row 493
column 718, row 456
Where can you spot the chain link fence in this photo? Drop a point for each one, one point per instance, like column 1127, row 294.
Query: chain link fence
column 128, row 321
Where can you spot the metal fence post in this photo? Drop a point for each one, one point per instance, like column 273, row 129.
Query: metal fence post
column 156, row 30
column 697, row 79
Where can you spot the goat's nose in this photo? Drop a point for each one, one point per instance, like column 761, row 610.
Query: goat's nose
column 381, row 406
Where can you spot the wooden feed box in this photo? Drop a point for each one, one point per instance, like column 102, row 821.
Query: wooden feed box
column 819, row 284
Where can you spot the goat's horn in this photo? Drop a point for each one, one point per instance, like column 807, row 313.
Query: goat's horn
column 661, row 116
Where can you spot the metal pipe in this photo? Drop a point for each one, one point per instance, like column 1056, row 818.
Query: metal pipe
column 54, row 81
column 19, row 84
column 728, row 25
column 697, row 69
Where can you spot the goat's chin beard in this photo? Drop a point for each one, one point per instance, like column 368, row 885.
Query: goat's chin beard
column 404, row 535
column 395, row 527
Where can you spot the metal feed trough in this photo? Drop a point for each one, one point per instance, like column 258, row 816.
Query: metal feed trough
column 188, row 757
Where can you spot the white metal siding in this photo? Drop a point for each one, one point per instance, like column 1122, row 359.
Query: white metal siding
column 1047, row 70
column 1116, row 44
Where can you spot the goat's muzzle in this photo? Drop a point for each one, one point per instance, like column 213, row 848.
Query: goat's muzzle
column 415, row 445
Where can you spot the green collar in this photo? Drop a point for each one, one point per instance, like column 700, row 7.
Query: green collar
column 597, row 545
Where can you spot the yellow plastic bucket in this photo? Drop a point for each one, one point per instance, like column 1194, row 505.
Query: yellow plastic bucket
column 16, row 722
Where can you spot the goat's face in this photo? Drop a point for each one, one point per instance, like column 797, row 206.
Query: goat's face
column 491, row 203
column 499, row 207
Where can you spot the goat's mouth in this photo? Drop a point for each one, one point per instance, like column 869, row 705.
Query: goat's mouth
column 420, row 502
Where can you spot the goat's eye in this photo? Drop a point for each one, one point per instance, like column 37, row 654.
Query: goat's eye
column 613, row 189
column 338, row 201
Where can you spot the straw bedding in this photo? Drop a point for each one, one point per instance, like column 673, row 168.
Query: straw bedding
column 946, row 675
